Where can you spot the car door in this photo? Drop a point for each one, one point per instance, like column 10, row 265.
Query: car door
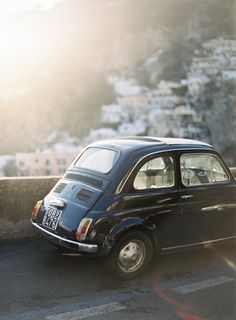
column 155, row 191
column 207, row 197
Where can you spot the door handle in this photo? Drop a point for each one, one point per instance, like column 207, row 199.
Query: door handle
column 187, row 196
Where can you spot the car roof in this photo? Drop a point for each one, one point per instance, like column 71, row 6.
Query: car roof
column 143, row 142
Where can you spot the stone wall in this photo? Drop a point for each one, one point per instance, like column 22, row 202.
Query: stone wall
column 17, row 199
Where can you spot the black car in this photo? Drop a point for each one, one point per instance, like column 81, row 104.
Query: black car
column 130, row 197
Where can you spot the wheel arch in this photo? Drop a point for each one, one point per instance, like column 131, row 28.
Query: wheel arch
column 127, row 226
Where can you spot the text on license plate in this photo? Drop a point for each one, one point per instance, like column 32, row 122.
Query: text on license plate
column 51, row 218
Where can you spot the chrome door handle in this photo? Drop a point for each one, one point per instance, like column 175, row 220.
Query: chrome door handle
column 187, row 196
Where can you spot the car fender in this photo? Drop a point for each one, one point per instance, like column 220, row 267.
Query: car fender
column 131, row 223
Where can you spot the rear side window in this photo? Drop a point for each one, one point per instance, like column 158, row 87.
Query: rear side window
column 198, row 169
column 98, row 159
column 155, row 174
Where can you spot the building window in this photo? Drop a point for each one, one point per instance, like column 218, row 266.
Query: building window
column 61, row 161
column 47, row 162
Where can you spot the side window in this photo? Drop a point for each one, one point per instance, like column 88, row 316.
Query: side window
column 156, row 173
column 198, row 169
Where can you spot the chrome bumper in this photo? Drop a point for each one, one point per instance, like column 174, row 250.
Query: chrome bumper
column 83, row 247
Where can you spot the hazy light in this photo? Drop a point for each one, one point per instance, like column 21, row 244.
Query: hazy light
column 9, row 8
column 19, row 41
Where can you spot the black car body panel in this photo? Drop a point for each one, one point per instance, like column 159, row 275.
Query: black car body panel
column 173, row 216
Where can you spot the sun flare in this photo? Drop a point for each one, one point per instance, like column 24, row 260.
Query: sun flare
column 11, row 7
column 21, row 42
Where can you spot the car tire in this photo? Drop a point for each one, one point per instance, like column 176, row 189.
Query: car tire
column 130, row 255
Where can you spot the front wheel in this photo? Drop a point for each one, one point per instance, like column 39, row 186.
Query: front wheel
column 131, row 255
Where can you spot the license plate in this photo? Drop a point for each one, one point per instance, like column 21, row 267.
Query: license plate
column 51, row 218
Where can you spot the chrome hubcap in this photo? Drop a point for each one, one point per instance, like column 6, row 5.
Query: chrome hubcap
column 131, row 256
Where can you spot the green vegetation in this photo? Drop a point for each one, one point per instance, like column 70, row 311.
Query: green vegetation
column 10, row 170
column 82, row 111
column 217, row 105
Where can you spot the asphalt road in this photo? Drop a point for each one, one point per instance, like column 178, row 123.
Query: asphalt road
column 38, row 283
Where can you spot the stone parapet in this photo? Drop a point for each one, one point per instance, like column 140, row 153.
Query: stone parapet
column 17, row 199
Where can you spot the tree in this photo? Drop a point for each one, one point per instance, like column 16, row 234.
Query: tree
column 10, row 169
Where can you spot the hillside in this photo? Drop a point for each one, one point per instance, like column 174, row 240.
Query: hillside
column 61, row 83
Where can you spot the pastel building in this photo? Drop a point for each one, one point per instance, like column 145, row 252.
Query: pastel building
column 206, row 65
column 136, row 102
column 114, row 114
column 220, row 45
column 195, row 83
column 44, row 163
column 100, row 134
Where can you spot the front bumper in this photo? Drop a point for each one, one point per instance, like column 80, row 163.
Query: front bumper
column 66, row 243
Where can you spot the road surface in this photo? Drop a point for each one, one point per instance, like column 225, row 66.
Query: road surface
column 38, row 283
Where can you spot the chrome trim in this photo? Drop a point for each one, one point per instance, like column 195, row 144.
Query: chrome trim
column 187, row 196
column 218, row 207
column 92, row 248
column 198, row 243
column 57, row 203
column 122, row 183
column 174, row 141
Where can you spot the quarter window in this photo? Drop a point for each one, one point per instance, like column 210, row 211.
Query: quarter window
column 156, row 173
column 198, row 169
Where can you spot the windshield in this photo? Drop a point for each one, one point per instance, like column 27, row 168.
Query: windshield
column 98, row 159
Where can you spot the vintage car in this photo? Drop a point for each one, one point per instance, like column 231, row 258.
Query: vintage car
column 127, row 198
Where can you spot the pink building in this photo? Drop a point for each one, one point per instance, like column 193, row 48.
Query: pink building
column 44, row 163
